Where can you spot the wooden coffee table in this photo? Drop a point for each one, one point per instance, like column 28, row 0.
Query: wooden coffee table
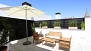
column 51, row 40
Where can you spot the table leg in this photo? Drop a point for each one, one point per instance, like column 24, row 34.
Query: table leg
column 52, row 45
column 55, row 43
column 42, row 42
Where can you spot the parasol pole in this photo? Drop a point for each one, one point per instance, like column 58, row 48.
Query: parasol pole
column 26, row 42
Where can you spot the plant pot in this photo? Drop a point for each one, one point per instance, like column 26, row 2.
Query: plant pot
column 44, row 26
column 3, row 48
column 82, row 28
column 41, row 27
column 73, row 28
column 57, row 27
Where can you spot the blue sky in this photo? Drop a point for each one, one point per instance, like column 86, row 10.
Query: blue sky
column 67, row 8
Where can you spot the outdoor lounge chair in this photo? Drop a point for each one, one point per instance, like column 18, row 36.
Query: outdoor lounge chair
column 65, row 42
column 37, row 37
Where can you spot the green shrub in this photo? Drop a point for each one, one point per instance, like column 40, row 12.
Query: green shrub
column 7, row 31
column 44, row 24
column 40, row 25
column 55, row 24
column 33, row 27
column 82, row 25
column 72, row 23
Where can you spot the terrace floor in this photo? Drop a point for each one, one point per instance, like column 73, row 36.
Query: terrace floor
column 47, row 47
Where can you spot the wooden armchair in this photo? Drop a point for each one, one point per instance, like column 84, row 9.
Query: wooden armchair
column 65, row 42
column 37, row 37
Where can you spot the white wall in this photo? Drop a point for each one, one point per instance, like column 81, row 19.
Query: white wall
column 88, row 29
column 88, row 25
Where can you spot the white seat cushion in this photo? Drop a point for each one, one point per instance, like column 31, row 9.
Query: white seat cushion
column 56, row 37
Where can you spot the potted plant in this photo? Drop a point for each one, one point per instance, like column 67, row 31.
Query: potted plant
column 44, row 24
column 56, row 24
column 33, row 27
column 82, row 25
column 40, row 25
column 73, row 24
column 5, row 31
